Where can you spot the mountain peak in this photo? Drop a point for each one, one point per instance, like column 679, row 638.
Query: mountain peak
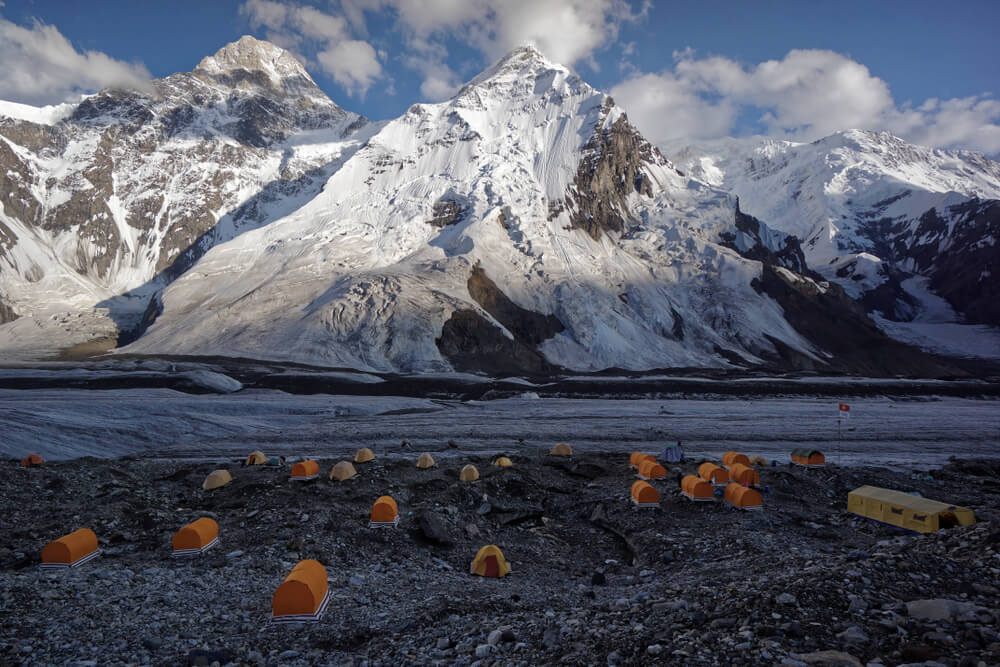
column 249, row 57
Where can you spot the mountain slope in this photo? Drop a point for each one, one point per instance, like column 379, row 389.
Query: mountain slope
column 872, row 212
column 523, row 226
column 528, row 188
column 123, row 192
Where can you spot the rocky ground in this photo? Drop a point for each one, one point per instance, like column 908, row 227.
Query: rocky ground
column 593, row 581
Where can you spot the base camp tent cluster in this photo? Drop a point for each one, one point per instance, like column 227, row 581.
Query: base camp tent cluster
column 905, row 511
column 730, row 458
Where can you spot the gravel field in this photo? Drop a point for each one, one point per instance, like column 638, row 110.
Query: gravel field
column 592, row 582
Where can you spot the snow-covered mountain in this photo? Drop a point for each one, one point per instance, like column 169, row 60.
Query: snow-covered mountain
column 123, row 191
column 883, row 218
column 522, row 226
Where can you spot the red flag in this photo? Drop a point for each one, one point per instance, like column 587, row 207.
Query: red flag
column 844, row 407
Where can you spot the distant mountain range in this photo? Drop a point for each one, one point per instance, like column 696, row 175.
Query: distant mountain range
column 522, row 227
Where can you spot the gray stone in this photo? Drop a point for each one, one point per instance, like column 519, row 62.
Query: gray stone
column 786, row 598
column 484, row 650
column 443, row 643
column 654, row 649
column 830, row 659
column 494, row 637
column 288, row 655
column 853, row 635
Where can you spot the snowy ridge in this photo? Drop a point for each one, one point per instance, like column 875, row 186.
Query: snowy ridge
column 870, row 209
column 101, row 207
column 377, row 282
column 522, row 226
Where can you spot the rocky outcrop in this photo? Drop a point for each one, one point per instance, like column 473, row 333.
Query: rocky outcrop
column 964, row 267
column 470, row 342
column 611, row 170
column 525, row 325
column 839, row 327
column 755, row 240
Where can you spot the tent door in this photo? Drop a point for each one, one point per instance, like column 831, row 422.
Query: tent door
column 492, row 567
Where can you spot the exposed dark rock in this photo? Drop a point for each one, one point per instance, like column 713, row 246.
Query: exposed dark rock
column 527, row 326
column 446, row 212
column 470, row 342
column 838, row 325
column 789, row 255
column 611, row 170
column 967, row 272
column 433, row 529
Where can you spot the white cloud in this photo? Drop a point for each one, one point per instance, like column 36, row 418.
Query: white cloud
column 808, row 94
column 568, row 31
column 352, row 63
column 40, row 66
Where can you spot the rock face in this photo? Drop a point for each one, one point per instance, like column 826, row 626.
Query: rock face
column 610, row 171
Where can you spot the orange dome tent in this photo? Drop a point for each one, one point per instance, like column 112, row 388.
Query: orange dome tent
column 742, row 497
column 697, row 489
column 303, row 595
column 743, row 474
column 343, row 471
column 215, row 479
column 384, row 513
column 562, row 449
column 644, row 495
column 364, row 455
column 71, row 550
column 32, row 460
column 638, row 457
column 195, row 538
column 425, row 461
column 651, row 470
column 729, row 458
column 469, row 473
column 809, row 458
column 713, row 474
column 489, row 562
column 503, row 462
column 304, row 471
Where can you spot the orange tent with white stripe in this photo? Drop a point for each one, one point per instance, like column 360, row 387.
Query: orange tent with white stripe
column 195, row 538
column 303, row 595
column 384, row 512
column 651, row 470
column 695, row 488
column 742, row 497
column 71, row 550
column 644, row 495
column 304, row 471
column 712, row 473
column 743, row 474
column 729, row 458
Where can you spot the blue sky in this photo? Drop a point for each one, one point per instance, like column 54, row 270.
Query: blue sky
column 924, row 70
